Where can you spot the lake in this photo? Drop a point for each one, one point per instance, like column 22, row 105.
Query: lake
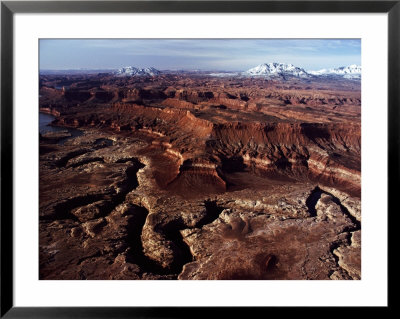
column 46, row 119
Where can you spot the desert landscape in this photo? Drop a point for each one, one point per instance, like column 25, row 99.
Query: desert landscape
column 200, row 175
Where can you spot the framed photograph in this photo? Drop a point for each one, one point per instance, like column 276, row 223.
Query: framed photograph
column 165, row 158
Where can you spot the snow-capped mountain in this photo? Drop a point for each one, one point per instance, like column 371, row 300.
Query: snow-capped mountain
column 275, row 69
column 132, row 71
column 350, row 72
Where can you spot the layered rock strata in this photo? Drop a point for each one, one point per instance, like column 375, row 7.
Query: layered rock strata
column 174, row 183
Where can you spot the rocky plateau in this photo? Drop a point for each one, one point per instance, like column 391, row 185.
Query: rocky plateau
column 197, row 177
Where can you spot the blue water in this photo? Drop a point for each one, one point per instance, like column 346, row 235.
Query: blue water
column 59, row 87
column 46, row 119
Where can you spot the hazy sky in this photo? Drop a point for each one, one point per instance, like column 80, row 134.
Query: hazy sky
column 215, row 54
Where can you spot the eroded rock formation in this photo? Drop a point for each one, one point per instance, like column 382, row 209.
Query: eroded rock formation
column 185, row 177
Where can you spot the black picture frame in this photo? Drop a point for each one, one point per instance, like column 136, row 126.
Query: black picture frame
column 9, row 8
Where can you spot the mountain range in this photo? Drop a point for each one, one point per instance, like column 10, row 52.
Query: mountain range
column 275, row 69
column 282, row 70
column 266, row 70
column 132, row 71
column 351, row 71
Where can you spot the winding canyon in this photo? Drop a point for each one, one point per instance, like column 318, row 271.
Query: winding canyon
column 192, row 176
